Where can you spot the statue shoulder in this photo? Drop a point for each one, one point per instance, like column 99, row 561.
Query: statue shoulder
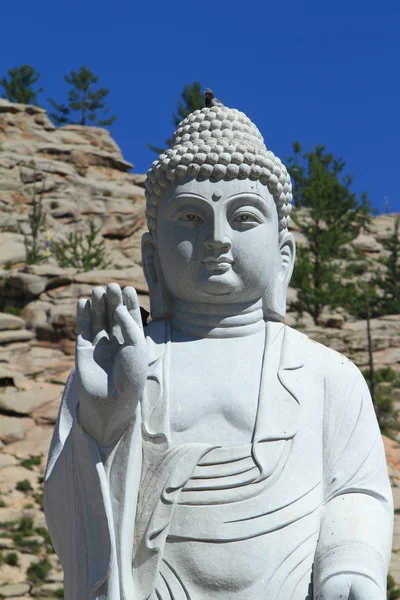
column 322, row 360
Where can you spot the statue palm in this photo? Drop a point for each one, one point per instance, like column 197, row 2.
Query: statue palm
column 111, row 361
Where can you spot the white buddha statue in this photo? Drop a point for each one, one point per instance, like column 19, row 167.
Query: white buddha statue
column 215, row 454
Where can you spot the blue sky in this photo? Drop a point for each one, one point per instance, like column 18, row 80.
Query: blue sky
column 316, row 71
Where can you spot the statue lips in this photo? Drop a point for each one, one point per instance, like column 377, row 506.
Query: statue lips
column 218, row 265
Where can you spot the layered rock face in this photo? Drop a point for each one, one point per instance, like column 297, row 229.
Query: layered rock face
column 80, row 175
column 78, row 172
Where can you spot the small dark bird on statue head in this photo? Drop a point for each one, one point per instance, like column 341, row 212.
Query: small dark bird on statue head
column 210, row 99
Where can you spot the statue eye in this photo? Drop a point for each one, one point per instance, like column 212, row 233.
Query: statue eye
column 246, row 219
column 191, row 218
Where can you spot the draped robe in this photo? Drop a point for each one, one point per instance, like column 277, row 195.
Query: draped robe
column 149, row 519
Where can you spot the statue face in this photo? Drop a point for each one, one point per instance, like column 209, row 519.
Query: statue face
column 217, row 242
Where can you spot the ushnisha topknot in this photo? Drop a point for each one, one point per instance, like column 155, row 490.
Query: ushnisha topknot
column 217, row 143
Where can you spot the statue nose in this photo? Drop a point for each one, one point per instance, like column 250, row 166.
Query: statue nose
column 218, row 243
column 217, row 238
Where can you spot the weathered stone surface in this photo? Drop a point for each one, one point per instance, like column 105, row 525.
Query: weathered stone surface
column 36, row 313
column 12, row 248
column 12, row 429
column 18, row 335
column 55, row 577
column 23, row 403
column 36, row 358
column 367, row 243
column 6, row 460
column 8, row 321
column 10, row 476
column 37, row 441
column 47, row 590
column 17, row 589
column 133, row 276
column 25, row 285
column 47, row 414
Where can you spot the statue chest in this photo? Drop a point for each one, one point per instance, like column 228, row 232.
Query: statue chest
column 214, row 390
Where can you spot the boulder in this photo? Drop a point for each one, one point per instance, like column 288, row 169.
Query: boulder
column 133, row 276
column 35, row 313
column 25, row 285
column 24, row 403
column 8, row 321
column 12, row 429
column 7, row 460
column 367, row 243
column 35, row 358
column 12, row 248
column 36, row 442
column 63, row 318
column 19, row 335
column 16, row 589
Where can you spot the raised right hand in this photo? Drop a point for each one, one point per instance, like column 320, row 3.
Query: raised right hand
column 111, row 361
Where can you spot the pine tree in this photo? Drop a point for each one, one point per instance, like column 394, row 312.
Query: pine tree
column 389, row 280
column 192, row 99
column 84, row 101
column 332, row 218
column 18, row 86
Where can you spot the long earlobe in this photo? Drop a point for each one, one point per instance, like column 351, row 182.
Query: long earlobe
column 274, row 301
column 160, row 299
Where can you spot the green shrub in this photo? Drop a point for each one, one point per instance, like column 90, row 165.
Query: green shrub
column 107, row 194
column 386, row 382
column 25, row 526
column 36, row 220
column 393, row 592
column 38, row 572
column 28, row 463
column 44, row 533
column 12, row 310
column 81, row 251
column 24, row 486
column 82, row 171
column 24, row 529
column 38, row 498
column 59, row 593
column 11, row 559
column 3, row 504
column 383, row 375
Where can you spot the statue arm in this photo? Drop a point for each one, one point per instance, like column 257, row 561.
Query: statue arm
column 85, row 512
column 357, row 518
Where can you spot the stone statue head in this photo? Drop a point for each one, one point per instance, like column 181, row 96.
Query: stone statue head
column 218, row 157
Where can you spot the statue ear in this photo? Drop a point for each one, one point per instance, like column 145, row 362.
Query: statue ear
column 160, row 299
column 274, row 301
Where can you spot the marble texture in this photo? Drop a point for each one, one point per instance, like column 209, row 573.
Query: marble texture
column 215, row 453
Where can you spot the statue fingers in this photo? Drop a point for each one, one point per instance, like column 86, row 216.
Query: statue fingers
column 132, row 304
column 83, row 323
column 99, row 314
column 114, row 300
column 129, row 327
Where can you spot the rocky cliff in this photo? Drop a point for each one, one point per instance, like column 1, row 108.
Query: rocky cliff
column 79, row 176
